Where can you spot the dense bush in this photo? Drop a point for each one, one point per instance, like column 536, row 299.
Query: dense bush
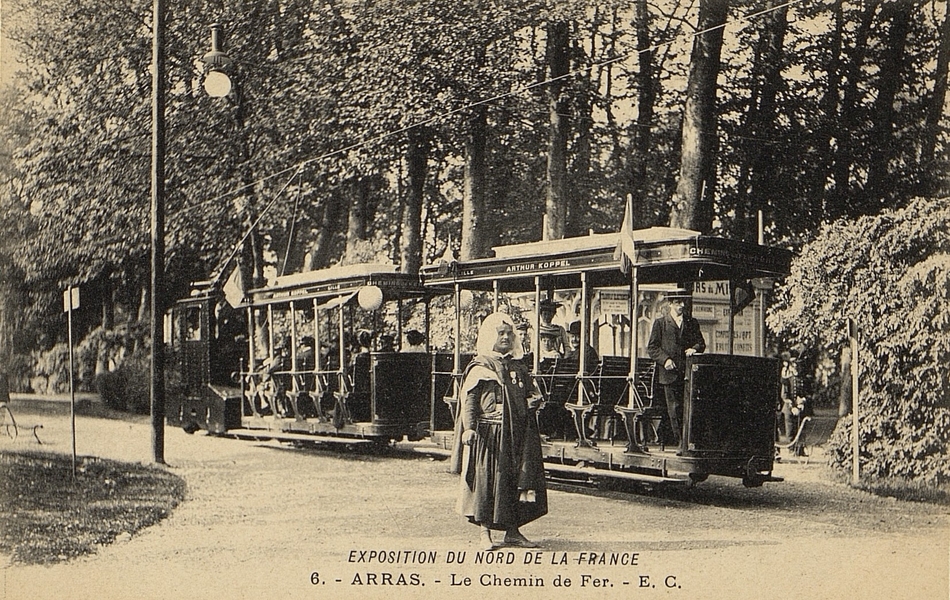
column 891, row 273
column 114, row 362
column 127, row 388
column 51, row 370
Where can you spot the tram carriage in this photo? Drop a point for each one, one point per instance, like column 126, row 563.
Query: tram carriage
column 245, row 372
column 298, row 375
column 605, row 413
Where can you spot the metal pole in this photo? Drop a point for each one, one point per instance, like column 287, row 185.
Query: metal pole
column 633, row 314
column 158, row 231
column 293, row 336
column 581, row 363
column 732, row 318
column 761, row 293
column 316, row 338
column 72, row 389
column 536, row 334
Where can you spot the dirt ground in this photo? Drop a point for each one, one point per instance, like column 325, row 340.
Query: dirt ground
column 265, row 520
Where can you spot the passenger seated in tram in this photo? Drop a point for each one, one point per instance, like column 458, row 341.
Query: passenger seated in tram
column 387, row 343
column 550, row 342
column 280, row 372
column 261, row 388
column 574, row 347
column 364, row 342
column 357, row 401
column 415, row 341
column 546, row 311
column 304, row 377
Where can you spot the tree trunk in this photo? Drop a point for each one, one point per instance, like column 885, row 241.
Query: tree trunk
column 578, row 200
column 840, row 202
column 141, row 314
column 828, row 120
column 643, row 213
column 108, row 304
column 558, row 59
column 321, row 249
column 410, row 252
column 758, row 184
column 931, row 177
column 359, row 220
column 880, row 185
column 695, row 190
column 476, row 236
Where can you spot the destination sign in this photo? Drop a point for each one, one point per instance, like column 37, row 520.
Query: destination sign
column 399, row 283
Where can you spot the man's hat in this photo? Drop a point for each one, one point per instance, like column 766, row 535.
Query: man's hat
column 574, row 328
column 548, row 304
column 415, row 337
column 680, row 294
column 549, row 330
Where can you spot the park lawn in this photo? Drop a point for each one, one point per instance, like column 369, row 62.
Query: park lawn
column 46, row 516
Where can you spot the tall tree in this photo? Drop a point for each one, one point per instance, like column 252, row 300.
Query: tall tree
column 647, row 91
column 759, row 178
column 417, row 159
column 696, row 188
column 931, row 180
column 884, row 148
column 475, row 240
column 558, row 62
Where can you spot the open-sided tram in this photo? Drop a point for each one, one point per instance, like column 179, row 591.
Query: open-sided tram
column 602, row 406
column 305, row 360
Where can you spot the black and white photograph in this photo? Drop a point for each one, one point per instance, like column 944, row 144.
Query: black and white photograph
column 411, row 299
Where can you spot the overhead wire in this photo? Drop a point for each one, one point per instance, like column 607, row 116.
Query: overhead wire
column 296, row 168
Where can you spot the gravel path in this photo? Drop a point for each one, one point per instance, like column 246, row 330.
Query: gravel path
column 262, row 520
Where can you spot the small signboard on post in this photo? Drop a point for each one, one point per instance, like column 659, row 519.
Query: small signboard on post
column 70, row 299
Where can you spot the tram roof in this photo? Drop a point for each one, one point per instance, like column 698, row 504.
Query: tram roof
column 663, row 255
column 345, row 280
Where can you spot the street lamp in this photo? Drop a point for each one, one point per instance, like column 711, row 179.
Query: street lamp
column 217, row 83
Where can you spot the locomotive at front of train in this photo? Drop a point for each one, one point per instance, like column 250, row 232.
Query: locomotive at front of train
column 323, row 358
column 588, row 317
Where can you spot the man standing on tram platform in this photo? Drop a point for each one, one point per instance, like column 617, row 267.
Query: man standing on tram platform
column 675, row 336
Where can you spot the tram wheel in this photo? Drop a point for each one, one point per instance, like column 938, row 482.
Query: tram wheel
column 190, row 428
column 751, row 482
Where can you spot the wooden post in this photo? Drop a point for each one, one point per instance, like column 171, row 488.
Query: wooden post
column 855, row 433
column 158, row 232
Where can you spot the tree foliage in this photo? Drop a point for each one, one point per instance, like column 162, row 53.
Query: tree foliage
column 891, row 274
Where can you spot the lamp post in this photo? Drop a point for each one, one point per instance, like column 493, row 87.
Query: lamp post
column 217, row 83
column 157, row 403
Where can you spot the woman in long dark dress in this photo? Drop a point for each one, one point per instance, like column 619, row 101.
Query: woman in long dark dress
column 498, row 448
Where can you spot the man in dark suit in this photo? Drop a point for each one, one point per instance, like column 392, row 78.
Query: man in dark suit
column 675, row 336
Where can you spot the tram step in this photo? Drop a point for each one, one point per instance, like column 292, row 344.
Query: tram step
column 267, row 434
column 594, row 472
